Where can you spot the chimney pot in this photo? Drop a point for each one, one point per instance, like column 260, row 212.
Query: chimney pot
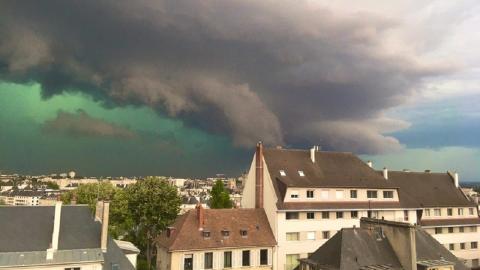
column 385, row 173
column 105, row 216
column 370, row 164
column 259, row 176
column 312, row 153
column 200, row 216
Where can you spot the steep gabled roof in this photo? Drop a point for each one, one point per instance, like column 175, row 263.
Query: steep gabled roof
column 187, row 235
column 425, row 189
column 331, row 169
column 30, row 228
column 355, row 248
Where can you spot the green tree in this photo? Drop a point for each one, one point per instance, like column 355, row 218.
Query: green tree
column 90, row 193
column 52, row 185
column 152, row 205
column 219, row 197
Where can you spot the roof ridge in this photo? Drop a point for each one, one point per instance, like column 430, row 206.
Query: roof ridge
column 306, row 150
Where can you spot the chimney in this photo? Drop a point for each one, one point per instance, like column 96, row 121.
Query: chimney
column 259, row 176
column 385, row 173
column 99, row 211
column 200, row 216
column 370, row 164
column 312, row 153
column 455, row 180
column 56, row 230
column 104, row 236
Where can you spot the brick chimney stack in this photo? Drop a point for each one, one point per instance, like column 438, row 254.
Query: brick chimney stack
column 259, row 176
column 200, row 216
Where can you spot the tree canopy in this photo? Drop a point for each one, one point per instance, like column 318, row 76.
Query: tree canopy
column 220, row 197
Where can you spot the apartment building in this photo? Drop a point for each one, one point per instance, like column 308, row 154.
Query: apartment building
column 58, row 237
column 21, row 197
column 310, row 195
column 217, row 239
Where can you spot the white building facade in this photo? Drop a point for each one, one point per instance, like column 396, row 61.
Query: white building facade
column 310, row 195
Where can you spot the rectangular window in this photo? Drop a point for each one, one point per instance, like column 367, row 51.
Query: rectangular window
column 208, row 260
column 451, row 246
column 438, row 230
column 470, row 211
column 301, row 173
column 449, row 212
column 188, row 262
column 427, row 212
column 310, row 235
column 325, row 215
column 115, row 266
column 473, row 228
column 354, row 214
column 339, row 215
column 264, row 257
column 475, row 263
column 371, row 194
column 405, row 215
column 460, row 211
column 227, row 259
column 372, row 214
column 294, row 194
column 246, row 258
column 292, row 261
column 387, row 194
column 291, row 215
column 282, row 173
column 473, row 245
column 437, row 212
column 293, row 236
column 309, row 193
column 310, row 215
column 462, row 245
column 325, row 234
column 353, row 194
column 339, row 194
column 324, row 194
column 461, row 229
column 450, row 229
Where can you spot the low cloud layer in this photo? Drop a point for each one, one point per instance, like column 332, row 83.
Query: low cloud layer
column 290, row 72
column 80, row 124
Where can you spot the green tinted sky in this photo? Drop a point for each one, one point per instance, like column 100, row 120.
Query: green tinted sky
column 163, row 146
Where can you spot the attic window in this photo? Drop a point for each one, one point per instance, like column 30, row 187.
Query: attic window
column 206, row 234
column 225, row 233
column 282, row 173
column 243, row 233
column 301, row 173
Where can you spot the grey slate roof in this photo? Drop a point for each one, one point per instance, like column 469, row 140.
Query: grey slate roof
column 29, row 228
column 358, row 248
column 355, row 248
column 423, row 189
column 331, row 169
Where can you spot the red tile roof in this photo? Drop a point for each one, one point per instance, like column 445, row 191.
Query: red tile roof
column 188, row 236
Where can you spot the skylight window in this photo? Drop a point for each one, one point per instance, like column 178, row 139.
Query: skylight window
column 301, row 173
column 282, row 173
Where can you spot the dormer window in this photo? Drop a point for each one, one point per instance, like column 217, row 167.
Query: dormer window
column 225, row 233
column 206, row 234
column 282, row 173
column 244, row 233
column 301, row 173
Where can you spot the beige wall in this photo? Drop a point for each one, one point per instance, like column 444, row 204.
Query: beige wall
column 332, row 195
column 174, row 260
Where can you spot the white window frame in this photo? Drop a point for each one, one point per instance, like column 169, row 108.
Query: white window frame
column 311, row 236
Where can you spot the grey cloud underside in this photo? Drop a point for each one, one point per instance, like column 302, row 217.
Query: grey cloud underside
column 80, row 124
column 284, row 72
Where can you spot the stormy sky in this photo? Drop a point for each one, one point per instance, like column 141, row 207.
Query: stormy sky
column 188, row 87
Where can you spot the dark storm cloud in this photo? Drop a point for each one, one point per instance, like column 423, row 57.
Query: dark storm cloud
column 282, row 71
column 80, row 124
